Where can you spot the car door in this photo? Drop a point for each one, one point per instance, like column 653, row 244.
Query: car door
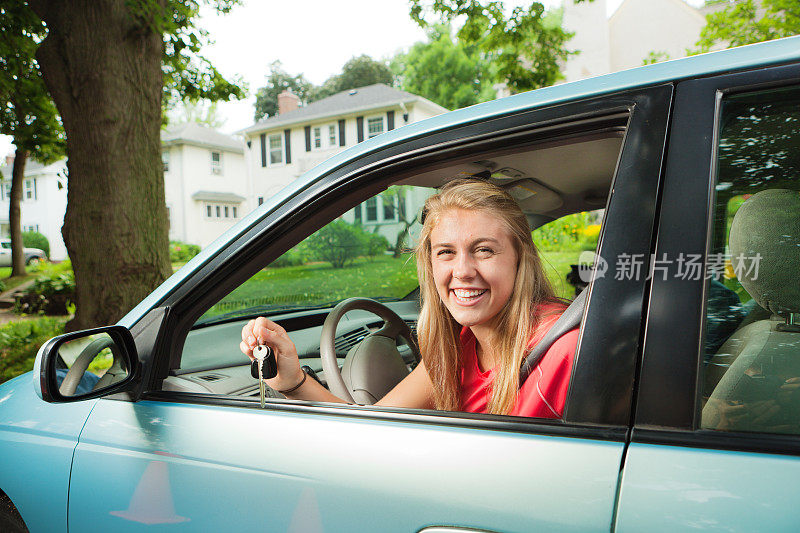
column 715, row 444
column 192, row 461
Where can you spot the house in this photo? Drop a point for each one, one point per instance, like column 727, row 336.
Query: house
column 637, row 31
column 205, row 179
column 44, row 201
column 281, row 148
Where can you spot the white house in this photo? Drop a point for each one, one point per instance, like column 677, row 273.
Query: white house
column 281, row 148
column 205, row 182
column 637, row 28
column 44, row 201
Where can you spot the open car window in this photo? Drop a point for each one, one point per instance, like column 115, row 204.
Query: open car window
column 367, row 251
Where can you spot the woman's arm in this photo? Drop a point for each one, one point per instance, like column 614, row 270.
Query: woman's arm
column 414, row 392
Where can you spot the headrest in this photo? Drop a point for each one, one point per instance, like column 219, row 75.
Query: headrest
column 768, row 223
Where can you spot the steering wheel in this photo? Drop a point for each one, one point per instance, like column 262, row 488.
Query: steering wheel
column 75, row 373
column 374, row 366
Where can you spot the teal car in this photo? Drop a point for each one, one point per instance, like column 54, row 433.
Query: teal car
column 683, row 411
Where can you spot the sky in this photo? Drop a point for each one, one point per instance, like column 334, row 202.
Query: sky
column 312, row 37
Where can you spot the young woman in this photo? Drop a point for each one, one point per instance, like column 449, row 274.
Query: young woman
column 486, row 302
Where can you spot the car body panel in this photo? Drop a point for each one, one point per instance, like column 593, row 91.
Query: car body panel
column 673, row 488
column 37, row 440
column 191, row 466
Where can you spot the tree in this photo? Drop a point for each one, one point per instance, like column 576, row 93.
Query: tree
column 27, row 113
column 357, row 72
column 196, row 111
column 451, row 74
column 525, row 45
column 105, row 64
column 278, row 81
column 749, row 21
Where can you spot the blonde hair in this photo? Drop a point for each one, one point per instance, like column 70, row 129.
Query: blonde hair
column 513, row 325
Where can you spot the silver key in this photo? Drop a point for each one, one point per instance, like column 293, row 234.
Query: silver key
column 260, row 352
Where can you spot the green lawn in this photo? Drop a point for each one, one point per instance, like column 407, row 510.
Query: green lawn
column 312, row 283
column 556, row 266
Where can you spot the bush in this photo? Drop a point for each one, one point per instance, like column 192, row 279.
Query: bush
column 572, row 232
column 34, row 239
column 180, row 252
column 19, row 342
column 51, row 294
column 293, row 257
column 339, row 243
column 374, row 244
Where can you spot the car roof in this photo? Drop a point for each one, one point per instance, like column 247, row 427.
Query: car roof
column 740, row 58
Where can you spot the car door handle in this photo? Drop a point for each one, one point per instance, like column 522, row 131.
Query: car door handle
column 450, row 529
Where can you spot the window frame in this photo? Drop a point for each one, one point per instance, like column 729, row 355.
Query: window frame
column 316, row 138
column 367, row 120
column 216, row 165
column 645, row 110
column 270, row 150
column 333, row 135
column 672, row 364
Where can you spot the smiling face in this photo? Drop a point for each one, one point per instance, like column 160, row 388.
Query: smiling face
column 474, row 265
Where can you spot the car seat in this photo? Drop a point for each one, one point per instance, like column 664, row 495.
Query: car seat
column 761, row 355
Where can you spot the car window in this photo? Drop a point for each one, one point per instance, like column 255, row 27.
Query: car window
column 750, row 371
column 367, row 251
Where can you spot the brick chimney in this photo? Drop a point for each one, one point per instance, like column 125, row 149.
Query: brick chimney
column 287, row 101
column 10, row 159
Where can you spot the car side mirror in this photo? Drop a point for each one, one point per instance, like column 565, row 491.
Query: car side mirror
column 86, row 364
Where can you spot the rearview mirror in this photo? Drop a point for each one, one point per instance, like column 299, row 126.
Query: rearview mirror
column 86, row 364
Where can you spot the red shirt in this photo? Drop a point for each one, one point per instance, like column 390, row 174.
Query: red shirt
column 544, row 392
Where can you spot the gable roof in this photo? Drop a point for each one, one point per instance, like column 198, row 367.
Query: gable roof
column 199, row 135
column 345, row 102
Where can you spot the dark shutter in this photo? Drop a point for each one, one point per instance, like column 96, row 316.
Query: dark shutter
column 389, row 120
column 360, row 128
column 287, row 141
column 341, row 132
column 308, row 138
column 263, row 149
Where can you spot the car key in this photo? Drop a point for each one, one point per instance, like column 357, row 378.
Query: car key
column 264, row 366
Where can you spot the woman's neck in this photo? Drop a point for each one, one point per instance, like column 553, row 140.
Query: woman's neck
column 483, row 347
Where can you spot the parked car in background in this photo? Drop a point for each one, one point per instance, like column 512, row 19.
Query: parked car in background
column 32, row 255
column 683, row 411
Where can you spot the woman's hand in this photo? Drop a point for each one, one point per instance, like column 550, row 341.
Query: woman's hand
column 264, row 331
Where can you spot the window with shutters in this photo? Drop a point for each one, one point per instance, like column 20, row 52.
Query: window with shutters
column 165, row 161
column 275, row 149
column 374, row 126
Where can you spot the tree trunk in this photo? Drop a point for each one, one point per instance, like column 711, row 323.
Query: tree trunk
column 15, row 213
column 103, row 70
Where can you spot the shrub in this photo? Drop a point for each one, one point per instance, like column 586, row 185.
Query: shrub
column 338, row 243
column 181, row 252
column 51, row 294
column 572, row 232
column 19, row 342
column 34, row 239
column 374, row 244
